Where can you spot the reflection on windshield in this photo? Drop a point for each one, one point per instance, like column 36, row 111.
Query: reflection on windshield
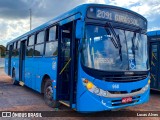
column 137, row 50
column 100, row 53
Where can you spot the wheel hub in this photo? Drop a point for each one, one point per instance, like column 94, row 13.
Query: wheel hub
column 49, row 92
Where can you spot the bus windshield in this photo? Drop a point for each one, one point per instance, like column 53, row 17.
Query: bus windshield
column 100, row 51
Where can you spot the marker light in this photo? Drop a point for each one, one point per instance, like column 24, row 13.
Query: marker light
column 85, row 81
column 149, row 81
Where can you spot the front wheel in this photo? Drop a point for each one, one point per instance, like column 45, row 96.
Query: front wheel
column 48, row 93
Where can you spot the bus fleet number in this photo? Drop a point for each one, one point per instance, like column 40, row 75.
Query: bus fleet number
column 104, row 14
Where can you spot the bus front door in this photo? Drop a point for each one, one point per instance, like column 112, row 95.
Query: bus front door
column 66, row 78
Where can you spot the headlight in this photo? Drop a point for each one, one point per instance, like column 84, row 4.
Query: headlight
column 96, row 90
column 92, row 88
column 145, row 87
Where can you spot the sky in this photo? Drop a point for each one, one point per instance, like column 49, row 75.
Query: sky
column 15, row 20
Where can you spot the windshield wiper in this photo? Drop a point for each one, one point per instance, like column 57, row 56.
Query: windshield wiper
column 133, row 46
column 116, row 41
column 139, row 31
column 120, row 47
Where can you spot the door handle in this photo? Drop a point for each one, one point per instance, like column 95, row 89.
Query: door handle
column 65, row 66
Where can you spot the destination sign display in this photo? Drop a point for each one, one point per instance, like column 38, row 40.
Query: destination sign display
column 117, row 16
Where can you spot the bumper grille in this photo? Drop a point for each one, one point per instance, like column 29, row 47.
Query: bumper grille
column 124, row 92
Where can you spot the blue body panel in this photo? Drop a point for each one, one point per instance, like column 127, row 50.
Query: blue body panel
column 15, row 65
column 36, row 68
column 6, row 65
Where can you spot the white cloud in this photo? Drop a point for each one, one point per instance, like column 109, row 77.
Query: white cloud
column 154, row 28
column 11, row 29
column 96, row 1
column 142, row 9
column 123, row 3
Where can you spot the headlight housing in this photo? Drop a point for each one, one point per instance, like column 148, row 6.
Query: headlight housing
column 95, row 90
column 92, row 88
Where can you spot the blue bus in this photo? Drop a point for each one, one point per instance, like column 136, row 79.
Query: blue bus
column 91, row 58
column 154, row 43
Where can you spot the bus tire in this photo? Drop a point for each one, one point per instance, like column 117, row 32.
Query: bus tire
column 48, row 93
column 14, row 81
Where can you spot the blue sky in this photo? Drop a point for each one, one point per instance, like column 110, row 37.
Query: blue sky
column 14, row 16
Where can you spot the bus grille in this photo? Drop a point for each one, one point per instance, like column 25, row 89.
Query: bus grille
column 119, row 102
column 122, row 78
column 124, row 92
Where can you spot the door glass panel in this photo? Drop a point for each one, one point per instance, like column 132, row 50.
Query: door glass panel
column 154, row 65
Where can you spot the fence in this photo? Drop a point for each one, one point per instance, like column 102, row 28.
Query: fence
column 1, row 62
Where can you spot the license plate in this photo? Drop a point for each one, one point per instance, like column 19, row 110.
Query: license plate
column 127, row 100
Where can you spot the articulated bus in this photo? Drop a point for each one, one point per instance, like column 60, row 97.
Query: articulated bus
column 154, row 47
column 92, row 58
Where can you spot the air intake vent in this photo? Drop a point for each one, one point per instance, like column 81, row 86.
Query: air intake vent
column 124, row 78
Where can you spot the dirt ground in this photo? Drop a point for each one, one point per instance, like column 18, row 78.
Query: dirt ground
column 18, row 98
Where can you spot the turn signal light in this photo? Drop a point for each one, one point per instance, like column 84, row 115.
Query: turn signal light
column 89, row 85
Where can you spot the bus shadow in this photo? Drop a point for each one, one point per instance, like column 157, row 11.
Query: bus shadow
column 155, row 92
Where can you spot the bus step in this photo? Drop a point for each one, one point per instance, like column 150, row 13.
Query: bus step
column 66, row 103
column 21, row 83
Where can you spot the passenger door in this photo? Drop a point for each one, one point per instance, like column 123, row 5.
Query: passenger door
column 9, row 59
column 22, row 60
column 154, row 63
column 67, row 70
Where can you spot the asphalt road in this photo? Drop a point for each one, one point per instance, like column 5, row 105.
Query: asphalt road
column 18, row 98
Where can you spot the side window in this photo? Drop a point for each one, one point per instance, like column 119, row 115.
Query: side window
column 29, row 52
column 40, row 37
column 51, row 48
column 15, row 50
column 14, row 46
column 39, row 50
column 52, row 33
column 51, row 43
column 18, row 46
column 31, row 40
column 39, row 46
column 30, row 46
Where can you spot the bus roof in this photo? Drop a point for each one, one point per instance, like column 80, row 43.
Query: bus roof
column 79, row 9
column 153, row 33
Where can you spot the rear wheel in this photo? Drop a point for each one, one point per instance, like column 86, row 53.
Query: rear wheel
column 48, row 93
column 14, row 81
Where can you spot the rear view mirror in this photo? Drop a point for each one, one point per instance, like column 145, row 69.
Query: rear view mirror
column 79, row 29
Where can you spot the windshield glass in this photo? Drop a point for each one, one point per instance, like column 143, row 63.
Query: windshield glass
column 100, row 52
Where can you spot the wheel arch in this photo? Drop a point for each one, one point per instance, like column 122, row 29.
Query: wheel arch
column 44, row 79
